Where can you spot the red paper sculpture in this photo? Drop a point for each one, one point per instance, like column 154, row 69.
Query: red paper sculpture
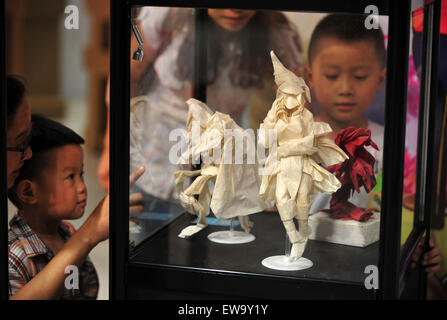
column 353, row 173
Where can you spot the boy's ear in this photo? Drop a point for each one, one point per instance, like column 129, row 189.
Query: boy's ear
column 309, row 78
column 26, row 192
column 382, row 78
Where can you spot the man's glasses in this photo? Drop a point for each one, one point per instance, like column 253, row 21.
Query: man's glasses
column 21, row 148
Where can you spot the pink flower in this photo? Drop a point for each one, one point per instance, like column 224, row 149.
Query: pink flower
column 409, row 174
column 413, row 90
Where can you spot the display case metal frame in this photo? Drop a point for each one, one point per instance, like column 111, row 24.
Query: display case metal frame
column 3, row 162
column 394, row 141
column 412, row 281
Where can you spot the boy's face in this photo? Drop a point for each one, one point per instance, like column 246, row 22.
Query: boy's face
column 61, row 190
column 345, row 78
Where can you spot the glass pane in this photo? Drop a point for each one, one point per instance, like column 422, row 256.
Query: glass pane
column 440, row 152
column 416, row 147
column 411, row 135
column 342, row 61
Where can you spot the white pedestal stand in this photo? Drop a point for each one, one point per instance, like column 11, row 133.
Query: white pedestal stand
column 231, row 236
column 347, row 232
column 283, row 262
column 133, row 227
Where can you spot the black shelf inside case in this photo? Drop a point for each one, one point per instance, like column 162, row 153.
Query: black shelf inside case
column 166, row 266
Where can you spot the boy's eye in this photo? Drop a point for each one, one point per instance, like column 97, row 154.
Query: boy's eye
column 82, row 174
column 331, row 76
column 70, row 177
column 361, row 77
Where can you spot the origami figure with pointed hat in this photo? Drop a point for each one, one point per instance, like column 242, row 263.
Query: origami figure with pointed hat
column 292, row 171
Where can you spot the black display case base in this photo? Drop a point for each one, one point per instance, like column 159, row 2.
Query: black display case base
column 168, row 267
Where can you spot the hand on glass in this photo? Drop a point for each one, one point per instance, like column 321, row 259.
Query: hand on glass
column 431, row 259
column 136, row 200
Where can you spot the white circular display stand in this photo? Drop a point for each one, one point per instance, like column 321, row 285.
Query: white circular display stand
column 134, row 228
column 284, row 264
column 231, row 237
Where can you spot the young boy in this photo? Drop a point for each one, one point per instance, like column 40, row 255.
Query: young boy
column 50, row 188
column 346, row 69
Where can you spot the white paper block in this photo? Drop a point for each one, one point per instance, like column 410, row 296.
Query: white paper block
column 283, row 263
column 134, row 228
column 347, row 232
column 231, row 237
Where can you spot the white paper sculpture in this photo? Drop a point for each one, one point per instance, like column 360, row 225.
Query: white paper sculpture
column 292, row 172
column 236, row 185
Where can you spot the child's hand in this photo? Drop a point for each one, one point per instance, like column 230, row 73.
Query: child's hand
column 96, row 227
column 136, row 200
column 431, row 259
column 101, row 217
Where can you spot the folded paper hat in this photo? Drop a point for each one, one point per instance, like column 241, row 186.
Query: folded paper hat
column 288, row 83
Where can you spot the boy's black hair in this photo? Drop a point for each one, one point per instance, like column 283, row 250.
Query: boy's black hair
column 348, row 28
column 46, row 134
column 15, row 92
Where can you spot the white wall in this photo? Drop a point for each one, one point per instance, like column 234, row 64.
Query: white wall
column 73, row 74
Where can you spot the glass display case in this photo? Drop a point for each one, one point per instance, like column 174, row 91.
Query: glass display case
column 164, row 53
column 424, row 199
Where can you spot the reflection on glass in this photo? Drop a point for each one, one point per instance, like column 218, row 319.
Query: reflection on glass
column 346, row 74
column 239, row 79
column 411, row 135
